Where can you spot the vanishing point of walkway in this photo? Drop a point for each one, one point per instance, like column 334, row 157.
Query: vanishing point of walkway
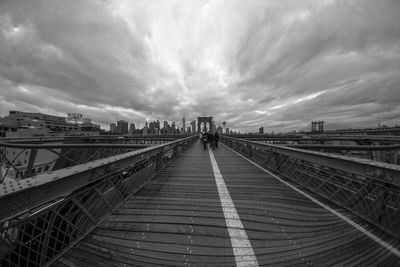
column 181, row 218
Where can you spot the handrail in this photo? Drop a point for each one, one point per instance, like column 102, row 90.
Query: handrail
column 388, row 173
column 346, row 147
column 22, row 157
column 366, row 188
column 84, row 145
column 163, row 137
column 317, row 138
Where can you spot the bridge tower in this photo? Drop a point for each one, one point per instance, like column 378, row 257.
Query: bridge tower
column 317, row 126
column 204, row 120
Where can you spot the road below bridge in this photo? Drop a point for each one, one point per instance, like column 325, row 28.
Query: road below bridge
column 178, row 220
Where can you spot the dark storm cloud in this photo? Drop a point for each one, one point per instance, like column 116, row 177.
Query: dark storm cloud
column 278, row 64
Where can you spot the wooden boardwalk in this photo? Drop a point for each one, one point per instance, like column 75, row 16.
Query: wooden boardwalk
column 177, row 220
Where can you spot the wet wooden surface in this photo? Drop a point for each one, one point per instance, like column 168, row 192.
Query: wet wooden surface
column 177, row 220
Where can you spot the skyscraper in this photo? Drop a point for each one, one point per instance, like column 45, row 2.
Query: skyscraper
column 122, row 127
column 193, row 123
column 184, row 124
column 132, row 128
column 113, row 128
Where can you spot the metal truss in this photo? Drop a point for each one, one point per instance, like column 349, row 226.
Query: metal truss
column 367, row 188
column 42, row 217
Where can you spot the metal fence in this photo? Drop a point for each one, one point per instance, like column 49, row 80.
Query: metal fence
column 41, row 217
column 25, row 160
column 25, row 157
column 369, row 189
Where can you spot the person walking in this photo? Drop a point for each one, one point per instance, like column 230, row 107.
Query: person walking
column 211, row 140
column 216, row 140
column 205, row 140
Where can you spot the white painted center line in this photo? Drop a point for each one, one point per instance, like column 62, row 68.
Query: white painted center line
column 244, row 254
column 378, row 240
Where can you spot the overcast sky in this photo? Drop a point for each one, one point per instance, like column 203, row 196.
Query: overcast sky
column 278, row 64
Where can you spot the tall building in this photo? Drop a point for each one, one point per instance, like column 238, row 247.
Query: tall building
column 227, row 130
column 153, row 127
column 193, row 123
column 113, row 128
column 132, row 128
column 184, row 124
column 145, row 130
column 165, row 128
column 173, row 128
column 122, row 127
column 261, row 130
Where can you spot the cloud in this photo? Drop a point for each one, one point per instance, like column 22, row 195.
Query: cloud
column 277, row 64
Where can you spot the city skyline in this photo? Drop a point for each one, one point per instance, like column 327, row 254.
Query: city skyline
column 272, row 64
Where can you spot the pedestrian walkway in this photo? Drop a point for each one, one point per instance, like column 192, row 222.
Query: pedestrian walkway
column 185, row 217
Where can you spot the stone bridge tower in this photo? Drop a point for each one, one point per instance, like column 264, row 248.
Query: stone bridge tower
column 204, row 120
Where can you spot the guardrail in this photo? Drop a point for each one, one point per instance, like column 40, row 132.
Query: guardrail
column 24, row 157
column 382, row 153
column 318, row 138
column 123, row 139
column 41, row 217
column 367, row 188
column 21, row 160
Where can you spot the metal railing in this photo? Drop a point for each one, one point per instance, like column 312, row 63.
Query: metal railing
column 42, row 217
column 20, row 161
column 319, row 139
column 24, row 157
column 104, row 139
column 382, row 153
column 367, row 188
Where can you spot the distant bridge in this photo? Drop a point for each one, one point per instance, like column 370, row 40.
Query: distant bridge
column 395, row 130
column 157, row 201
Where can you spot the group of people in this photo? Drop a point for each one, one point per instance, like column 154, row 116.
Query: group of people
column 209, row 138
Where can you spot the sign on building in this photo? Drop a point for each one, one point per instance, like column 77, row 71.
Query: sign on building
column 74, row 118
